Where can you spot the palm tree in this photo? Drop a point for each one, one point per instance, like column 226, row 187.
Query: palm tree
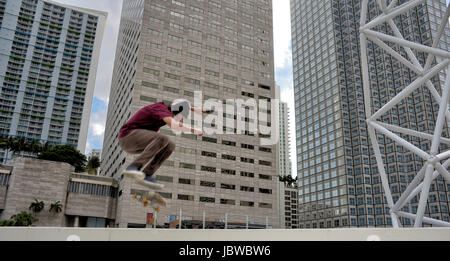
column 34, row 146
column 36, row 206
column 288, row 180
column 20, row 145
column 22, row 219
column 57, row 207
column 7, row 143
column 93, row 164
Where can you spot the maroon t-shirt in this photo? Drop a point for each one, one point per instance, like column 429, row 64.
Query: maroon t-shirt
column 149, row 118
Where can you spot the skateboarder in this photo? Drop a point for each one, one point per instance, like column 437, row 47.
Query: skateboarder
column 140, row 135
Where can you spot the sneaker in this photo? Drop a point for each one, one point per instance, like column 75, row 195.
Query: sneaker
column 134, row 172
column 158, row 200
column 150, row 182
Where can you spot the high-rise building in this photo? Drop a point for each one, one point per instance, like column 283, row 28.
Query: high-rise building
column 285, row 159
column 339, row 183
column 171, row 49
column 48, row 65
column 95, row 153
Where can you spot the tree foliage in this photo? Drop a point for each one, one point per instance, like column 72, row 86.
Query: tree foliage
column 288, row 180
column 65, row 153
column 56, row 207
column 36, row 206
column 93, row 164
column 22, row 219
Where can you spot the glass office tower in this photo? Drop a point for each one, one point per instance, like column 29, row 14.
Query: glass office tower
column 339, row 184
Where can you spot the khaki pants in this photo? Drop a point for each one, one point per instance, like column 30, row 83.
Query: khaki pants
column 150, row 145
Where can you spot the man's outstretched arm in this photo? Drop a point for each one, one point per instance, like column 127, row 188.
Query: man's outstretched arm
column 200, row 110
column 179, row 126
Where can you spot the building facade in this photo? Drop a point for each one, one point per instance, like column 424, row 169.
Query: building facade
column 172, row 49
column 88, row 200
column 48, row 64
column 339, row 184
column 285, row 159
column 85, row 200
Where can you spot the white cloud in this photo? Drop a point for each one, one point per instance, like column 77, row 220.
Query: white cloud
column 282, row 33
column 98, row 129
column 97, row 123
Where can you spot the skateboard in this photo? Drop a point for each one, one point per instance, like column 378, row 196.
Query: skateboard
column 150, row 198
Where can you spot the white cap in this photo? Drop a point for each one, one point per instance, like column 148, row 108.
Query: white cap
column 182, row 106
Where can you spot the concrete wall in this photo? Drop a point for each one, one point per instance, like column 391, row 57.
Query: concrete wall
column 3, row 190
column 91, row 206
column 116, row 234
column 45, row 180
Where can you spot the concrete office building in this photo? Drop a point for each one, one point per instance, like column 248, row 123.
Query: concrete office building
column 171, row 49
column 285, row 159
column 86, row 200
column 289, row 206
column 48, row 64
column 339, row 184
column 96, row 153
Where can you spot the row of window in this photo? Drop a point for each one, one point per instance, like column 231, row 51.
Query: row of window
column 205, row 199
column 211, row 184
column 227, row 53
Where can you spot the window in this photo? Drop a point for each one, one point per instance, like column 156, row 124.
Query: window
column 228, row 157
column 151, row 71
column 171, row 89
column 228, row 186
column 173, row 63
column 186, row 181
column 227, row 202
column 247, row 146
column 177, row 15
column 152, row 58
column 209, row 154
column 265, row 205
column 208, row 169
column 171, row 76
column 208, row 139
column 187, row 165
column 207, row 200
column 247, row 204
column 266, row 177
column 186, row 197
column 247, row 189
column 247, row 160
column 265, row 191
column 207, row 184
column 265, row 163
column 194, row 43
column 150, row 85
column 247, row 174
column 193, row 68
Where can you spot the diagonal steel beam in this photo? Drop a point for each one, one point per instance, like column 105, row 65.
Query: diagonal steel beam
column 393, row 13
column 403, row 42
column 409, row 89
column 414, row 133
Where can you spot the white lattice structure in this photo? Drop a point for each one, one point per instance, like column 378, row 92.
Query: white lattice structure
column 435, row 163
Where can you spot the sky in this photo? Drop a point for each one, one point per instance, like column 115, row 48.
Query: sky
column 282, row 54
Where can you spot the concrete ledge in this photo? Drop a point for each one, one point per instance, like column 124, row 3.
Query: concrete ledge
column 118, row 234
